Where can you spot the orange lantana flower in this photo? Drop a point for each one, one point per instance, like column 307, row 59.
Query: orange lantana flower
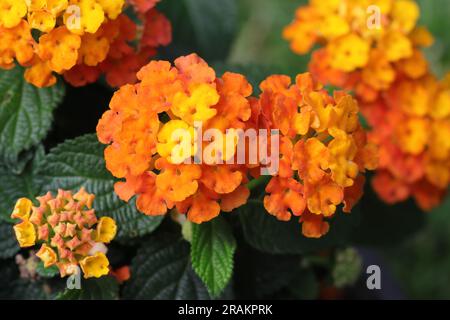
column 377, row 55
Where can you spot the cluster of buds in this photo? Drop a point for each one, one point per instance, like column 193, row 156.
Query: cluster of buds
column 154, row 143
column 373, row 48
column 68, row 231
column 79, row 39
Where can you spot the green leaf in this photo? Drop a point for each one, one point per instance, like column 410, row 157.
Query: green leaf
column 104, row 288
column 264, row 232
column 13, row 287
column 304, row 286
column 79, row 163
column 206, row 27
column 44, row 272
column 434, row 16
column 26, row 113
column 15, row 186
column 383, row 224
column 259, row 275
column 23, row 289
column 347, row 267
column 260, row 40
column 212, row 250
column 8, row 243
column 214, row 24
column 162, row 270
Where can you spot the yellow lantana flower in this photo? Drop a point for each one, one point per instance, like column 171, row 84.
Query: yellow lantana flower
column 112, row 8
column 343, row 150
column 174, row 138
column 25, row 234
column 57, row 6
column 11, row 12
column 349, row 52
column 95, row 266
column 405, row 14
column 34, row 5
column 42, row 20
column 84, row 16
column 396, row 46
column 413, row 135
column 197, row 106
column 106, row 230
column 22, row 209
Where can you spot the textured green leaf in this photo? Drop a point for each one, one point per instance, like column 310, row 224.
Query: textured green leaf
column 23, row 289
column 212, row 250
column 162, row 270
column 206, row 27
column 15, row 186
column 44, row 272
column 104, row 288
column 8, row 243
column 26, row 113
column 12, row 287
column 264, row 232
column 79, row 163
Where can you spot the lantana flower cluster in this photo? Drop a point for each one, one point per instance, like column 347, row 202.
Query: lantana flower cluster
column 67, row 230
column 79, row 39
column 373, row 48
column 323, row 149
column 140, row 144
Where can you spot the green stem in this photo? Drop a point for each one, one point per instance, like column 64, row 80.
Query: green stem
column 252, row 185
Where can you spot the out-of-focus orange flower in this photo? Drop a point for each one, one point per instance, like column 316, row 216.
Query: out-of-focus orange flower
column 80, row 39
column 143, row 6
column 378, row 56
column 157, row 30
column 121, row 274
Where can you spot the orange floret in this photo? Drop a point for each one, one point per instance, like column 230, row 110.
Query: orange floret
column 16, row 43
column 60, row 49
